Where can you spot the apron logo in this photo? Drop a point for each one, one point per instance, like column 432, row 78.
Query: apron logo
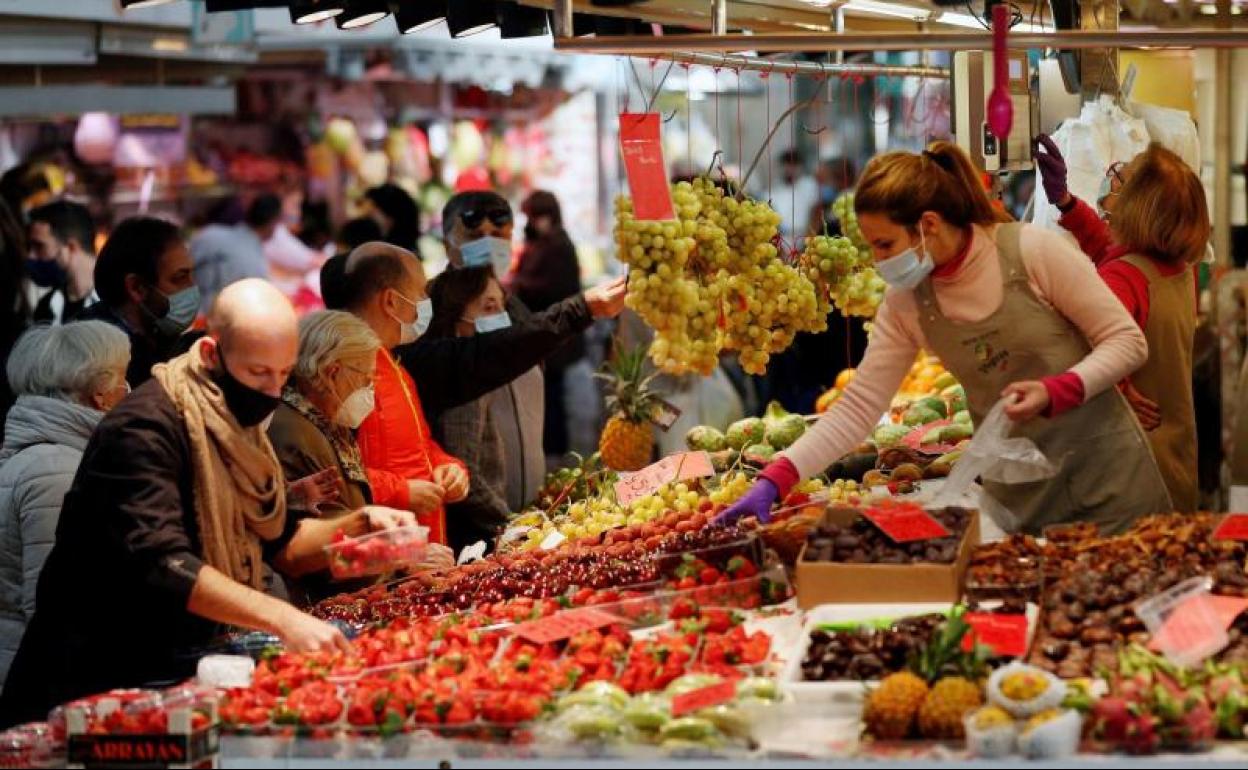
column 989, row 358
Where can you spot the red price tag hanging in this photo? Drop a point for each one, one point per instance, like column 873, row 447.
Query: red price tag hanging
column 564, row 625
column 1234, row 526
column 703, row 698
column 905, row 522
column 643, row 162
column 1005, row 635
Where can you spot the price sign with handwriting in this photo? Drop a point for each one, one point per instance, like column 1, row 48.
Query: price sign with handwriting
column 677, row 467
column 703, row 698
column 644, row 166
column 1234, row 526
column 905, row 522
column 1005, row 635
column 564, row 625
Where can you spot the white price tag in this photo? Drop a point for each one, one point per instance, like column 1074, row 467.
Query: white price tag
column 474, row 552
column 553, row 541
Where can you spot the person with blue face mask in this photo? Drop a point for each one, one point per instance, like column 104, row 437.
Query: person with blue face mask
column 145, row 279
column 467, row 303
column 1017, row 315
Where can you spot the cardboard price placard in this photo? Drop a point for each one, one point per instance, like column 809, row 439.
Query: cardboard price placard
column 905, row 523
column 1005, row 635
column 643, row 163
column 703, row 698
column 564, row 625
column 1234, row 526
column 677, row 467
column 1194, row 630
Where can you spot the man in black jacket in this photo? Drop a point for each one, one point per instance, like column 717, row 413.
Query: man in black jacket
column 146, row 283
column 156, row 550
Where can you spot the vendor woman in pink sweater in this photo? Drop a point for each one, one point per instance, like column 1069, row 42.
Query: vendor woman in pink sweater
column 1155, row 227
column 1014, row 312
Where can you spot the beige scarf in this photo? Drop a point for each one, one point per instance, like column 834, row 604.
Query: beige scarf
column 240, row 495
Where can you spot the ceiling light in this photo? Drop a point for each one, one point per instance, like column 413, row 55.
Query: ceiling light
column 312, row 11
column 890, row 9
column 515, row 20
column 361, row 13
column 470, row 17
column 130, row 5
column 416, row 15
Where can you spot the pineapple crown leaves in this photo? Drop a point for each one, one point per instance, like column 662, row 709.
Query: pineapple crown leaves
column 944, row 654
column 629, row 386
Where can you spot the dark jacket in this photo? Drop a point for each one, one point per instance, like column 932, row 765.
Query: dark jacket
column 110, row 609
column 549, row 272
column 455, row 370
column 145, row 351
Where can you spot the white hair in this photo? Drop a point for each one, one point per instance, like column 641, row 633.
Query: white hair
column 70, row 362
column 330, row 336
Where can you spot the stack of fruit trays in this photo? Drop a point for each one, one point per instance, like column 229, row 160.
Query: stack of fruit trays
column 567, row 577
column 457, row 678
column 31, row 745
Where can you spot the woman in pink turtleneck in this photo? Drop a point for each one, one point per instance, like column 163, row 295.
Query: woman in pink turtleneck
column 1014, row 312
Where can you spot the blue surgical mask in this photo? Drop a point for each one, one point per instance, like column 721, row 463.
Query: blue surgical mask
column 495, row 252
column 906, row 270
column 183, row 307
column 1106, row 190
column 411, row 331
column 492, row 323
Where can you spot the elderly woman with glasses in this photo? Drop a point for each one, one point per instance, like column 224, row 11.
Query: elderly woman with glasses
column 329, row 395
column 65, row 379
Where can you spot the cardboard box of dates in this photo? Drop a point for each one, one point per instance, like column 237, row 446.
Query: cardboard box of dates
column 847, row 559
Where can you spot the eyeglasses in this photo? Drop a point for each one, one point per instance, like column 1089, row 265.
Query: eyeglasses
column 1114, row 172
column 473, row 219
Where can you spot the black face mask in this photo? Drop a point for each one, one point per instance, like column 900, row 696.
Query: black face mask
column 249, row 406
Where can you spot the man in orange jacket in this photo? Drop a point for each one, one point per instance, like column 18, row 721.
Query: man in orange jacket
column 406, row 468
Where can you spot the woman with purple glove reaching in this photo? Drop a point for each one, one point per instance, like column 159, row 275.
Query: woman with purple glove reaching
column 1014, row 312
column 1153, row 228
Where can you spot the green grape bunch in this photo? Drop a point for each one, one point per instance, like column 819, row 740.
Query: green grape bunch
column 713, row 279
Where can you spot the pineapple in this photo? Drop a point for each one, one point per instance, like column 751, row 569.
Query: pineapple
column 891, row 708
column 627, row 441
column 940, row 716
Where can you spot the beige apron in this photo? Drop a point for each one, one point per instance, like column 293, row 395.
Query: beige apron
column 1167, row 378
column 1106, row 473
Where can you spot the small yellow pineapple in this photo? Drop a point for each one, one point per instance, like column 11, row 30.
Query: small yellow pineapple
column 891, row 709
column 951, row 699
column 627, row 441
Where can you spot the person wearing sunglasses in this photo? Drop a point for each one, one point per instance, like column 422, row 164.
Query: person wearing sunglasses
column 1151, row 229
column 478, row 228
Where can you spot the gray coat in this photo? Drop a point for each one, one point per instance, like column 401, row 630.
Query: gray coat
column 43, row 443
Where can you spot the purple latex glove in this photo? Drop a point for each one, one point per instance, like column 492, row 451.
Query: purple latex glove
column 757, row 503
column 1052, row 168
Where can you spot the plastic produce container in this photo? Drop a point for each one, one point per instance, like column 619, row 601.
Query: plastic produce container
column 378, row 552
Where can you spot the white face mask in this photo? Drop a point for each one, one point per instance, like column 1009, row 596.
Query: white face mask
column 495, row 252
column 906, row 270
column 410, row 332
column 356, row 407
column 492, row 323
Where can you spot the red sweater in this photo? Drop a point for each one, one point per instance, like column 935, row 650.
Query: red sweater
column 1123, row 279
column 397, row 445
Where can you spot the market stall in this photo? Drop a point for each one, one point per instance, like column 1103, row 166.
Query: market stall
column 883, row 612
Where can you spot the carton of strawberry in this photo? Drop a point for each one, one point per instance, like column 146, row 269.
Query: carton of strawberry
column 655, row 663
column 510, row 707
column 382, row 703
column 445, row 704
column 279, row 673
column 736, row 648
column 246, row 710
column 377, row 552
column 314, row 706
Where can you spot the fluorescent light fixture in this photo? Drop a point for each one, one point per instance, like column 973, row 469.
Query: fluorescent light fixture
column 170, row 45
column 313, row 11
column 130, row 5
column 890, row 9
column 957, row 19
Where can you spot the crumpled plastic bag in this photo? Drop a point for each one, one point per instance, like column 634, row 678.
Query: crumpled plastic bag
column 1102, row 135
column 993, row 456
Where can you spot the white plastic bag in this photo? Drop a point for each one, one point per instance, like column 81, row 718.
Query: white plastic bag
column 994, row 456
column 1102, row 135
column 1173, row 129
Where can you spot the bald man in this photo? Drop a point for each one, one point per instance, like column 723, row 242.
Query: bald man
column 170, row 527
